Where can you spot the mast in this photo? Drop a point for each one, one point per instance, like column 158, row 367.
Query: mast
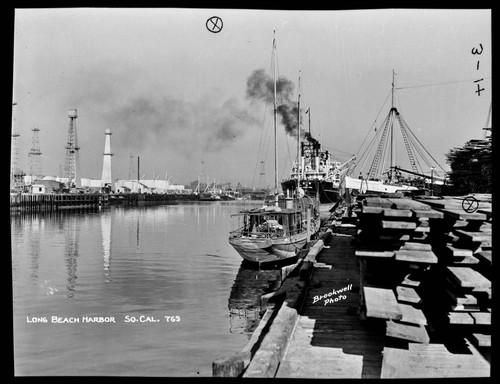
column 275, row 133
column 391, row 165
column 298, row 142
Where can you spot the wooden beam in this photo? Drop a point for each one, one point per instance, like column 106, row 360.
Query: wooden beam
column 388, row 224
column 381, row 303
column 481, row 339
column 460, row 318
column 412, row 314
column 467, row 277
column 408, row 295
column 415, row 256
column 409, row 332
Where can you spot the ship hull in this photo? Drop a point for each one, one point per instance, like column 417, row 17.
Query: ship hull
column 327, row 192
column 268, row 250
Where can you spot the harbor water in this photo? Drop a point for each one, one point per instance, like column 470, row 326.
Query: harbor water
column 131, row 291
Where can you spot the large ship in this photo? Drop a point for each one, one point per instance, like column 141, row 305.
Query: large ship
column 318, row 174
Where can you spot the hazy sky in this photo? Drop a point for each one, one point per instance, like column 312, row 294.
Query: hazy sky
column 174, row 93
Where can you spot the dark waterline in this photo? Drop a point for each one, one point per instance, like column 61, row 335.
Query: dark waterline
column 170, row 264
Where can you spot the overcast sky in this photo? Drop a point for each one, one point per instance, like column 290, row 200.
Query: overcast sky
column 174, row 93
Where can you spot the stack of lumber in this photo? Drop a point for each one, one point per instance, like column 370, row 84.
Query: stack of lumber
column 394, row 250
column 461, row 282
column 422, row 258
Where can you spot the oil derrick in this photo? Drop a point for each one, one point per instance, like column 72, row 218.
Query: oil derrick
column 72, row 159
column 16, row 174
column 34, row 155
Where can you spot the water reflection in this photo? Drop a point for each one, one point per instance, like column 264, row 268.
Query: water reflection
column 106, row 242
column 72, row 236
column 244, row 302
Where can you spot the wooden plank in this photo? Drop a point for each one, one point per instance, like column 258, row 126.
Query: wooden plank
column 371, row 210
column 412, row 314
column 411, row 281
column 456, row 252
column 433, row 362
column 481, row 339
column 394, row 363
column 460, row 298
column 381, row 303
column 388, row 224
column 459, row 213
column 409, row 332
column 473, row 236
column 408, row 295
column 483, row 318
column 410, row 204
column 377, row 202
column 484, row 256
column 416, row 246
column 466, row 260
column 415, row 256
column 374, row 254
column 467, row 277
column 431, row 214
column 460, row 318
column 391, row 212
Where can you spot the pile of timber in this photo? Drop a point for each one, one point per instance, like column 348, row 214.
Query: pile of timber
column 461, row 283
column 395, row 254
column 425, row 269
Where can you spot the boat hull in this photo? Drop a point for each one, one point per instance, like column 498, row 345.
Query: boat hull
column 268, row 250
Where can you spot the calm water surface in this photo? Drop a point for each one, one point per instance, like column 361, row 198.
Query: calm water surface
column 169, row 260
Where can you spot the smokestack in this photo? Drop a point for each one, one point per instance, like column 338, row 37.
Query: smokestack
column 138, row 172
column 106, row 179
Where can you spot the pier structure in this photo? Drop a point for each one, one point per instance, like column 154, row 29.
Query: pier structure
column 401, row 290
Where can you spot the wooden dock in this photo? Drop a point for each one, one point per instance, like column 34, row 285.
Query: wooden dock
column 29, row 202
column 403, row 293
column 330, row 340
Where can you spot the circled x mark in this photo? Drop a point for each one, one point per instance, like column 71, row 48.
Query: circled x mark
column 214, row 24
column 470, row 204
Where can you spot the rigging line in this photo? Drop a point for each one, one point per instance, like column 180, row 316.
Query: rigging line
column 378, row 132
column 434, row 84
column 374, row 122
column 260, row 149
column 369, row 147
column 416, row 138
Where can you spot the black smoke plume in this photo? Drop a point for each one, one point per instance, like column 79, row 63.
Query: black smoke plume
column 260, row 87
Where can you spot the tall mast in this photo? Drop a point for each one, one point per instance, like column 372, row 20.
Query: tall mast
column 275, row 133
column 298, row 141
column 392, row 128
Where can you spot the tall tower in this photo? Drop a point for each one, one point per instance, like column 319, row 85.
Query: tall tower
column 131, row 167
column 72, row 159
column 106, row 179
column 16, row 174
column 34, row 155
